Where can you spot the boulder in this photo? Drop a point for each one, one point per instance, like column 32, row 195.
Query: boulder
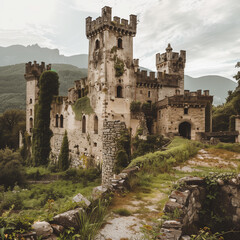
column 42, row 229
column 99, row 192
column 80, row 198
column 67, row 219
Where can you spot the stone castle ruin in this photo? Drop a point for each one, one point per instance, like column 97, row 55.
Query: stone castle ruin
column 97, row 108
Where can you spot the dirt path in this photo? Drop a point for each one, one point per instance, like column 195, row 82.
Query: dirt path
column 145, row 208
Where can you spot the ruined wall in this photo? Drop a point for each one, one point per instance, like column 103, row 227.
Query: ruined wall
column 169, row 119
column 111, row 132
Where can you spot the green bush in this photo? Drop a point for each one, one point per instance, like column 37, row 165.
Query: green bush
column 11, row 170
column 178, row 151
column 135, row 107
column 63, row 160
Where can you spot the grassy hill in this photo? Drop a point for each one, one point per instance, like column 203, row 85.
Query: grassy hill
column 13, row 84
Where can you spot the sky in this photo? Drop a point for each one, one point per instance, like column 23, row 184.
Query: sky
column 209, row 30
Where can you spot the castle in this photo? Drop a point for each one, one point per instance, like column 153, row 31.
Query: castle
column 98, row 107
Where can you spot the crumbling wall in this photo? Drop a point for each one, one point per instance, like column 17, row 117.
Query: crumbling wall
column 111, row 132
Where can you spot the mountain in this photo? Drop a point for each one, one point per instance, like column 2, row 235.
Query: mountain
column 13, row 84
column 20, row 54
column 218, row 86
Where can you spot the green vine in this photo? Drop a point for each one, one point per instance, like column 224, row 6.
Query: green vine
column 119, row 67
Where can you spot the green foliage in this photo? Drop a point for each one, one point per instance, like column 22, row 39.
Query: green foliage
column 42, row 134
column 151, row 144
column 11, row 122
column 233, row 147
column 119, row 67
column 161, row 161
column 82, row 105
column 11, row 171
column 135, row 107
column 232, row 123
column 25, row 150
column 63, row 160
column 123, row 154
column 122, row 212
column 206, row 234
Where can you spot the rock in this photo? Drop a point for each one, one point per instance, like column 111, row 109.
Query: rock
column 52, row 237
column 57, row 229
column 67, row 219
column 171, row 206
column 99, row 192
column 192, row 180
column 28, row 236
column 181, row 197
column 170, row 234
column 220, row 182
column 80, row 198
column 123, row 175
column 172, row 224
column 185, row 237
column 42, row 229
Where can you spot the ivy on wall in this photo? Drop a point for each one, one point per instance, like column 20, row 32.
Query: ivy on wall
column 48, row 87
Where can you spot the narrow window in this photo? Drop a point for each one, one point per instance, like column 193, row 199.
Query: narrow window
column 56, row 121
column 30, row 101
column 79, row 94
column 31, row 124
column 84, row 124
column 185, row 110
column 119, row 43
column 95, row 125
column 119, row 92
column 30, row 112
column 97, row 44
column 61, row 121
column 149, row 94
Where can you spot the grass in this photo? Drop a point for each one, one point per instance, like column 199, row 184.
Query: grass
column 234, row 147
column 122, row 212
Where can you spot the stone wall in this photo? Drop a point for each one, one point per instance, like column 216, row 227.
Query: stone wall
column 184, row 206
column 111, row 132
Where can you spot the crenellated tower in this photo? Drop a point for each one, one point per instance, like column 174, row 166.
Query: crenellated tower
column 172, row 63
column 110, row 63
column 32, row 76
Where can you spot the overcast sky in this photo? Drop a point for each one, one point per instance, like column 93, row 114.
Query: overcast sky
column 209, row 30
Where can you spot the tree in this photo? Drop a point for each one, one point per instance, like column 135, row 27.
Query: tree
column 12, row 121
column 11, row 171
column 63, row 160
column 48, row 87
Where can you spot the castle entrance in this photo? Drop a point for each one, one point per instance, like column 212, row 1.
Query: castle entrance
column 184, row 130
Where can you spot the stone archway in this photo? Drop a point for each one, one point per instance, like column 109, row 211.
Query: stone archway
column 184, row 130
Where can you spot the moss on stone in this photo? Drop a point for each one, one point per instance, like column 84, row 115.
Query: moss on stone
column 82, row 105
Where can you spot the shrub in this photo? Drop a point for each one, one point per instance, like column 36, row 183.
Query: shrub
column 135, row 107
column 11, row 170
column 63, row 161
column 178, row 151
column 122, row 212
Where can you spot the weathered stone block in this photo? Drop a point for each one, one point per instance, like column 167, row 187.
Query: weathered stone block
column 80, row 198
column 181, row 197
column 42, row 229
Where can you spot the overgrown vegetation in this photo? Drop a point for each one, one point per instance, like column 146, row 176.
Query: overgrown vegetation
column 48, row 87
column 162, row 161
column 63, row 160
column 234, row 147
column 12, row 121
column 11, row 170
column 119, row 67
column 82, row 105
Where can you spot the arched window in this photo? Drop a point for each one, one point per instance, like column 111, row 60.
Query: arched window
column 61, row 121
column 97, row 44
column 84, row 124
column 30, row 101
column 56, row 120
column 31, row 124
column 119, row 92
column 95, row 125
column 119, row 43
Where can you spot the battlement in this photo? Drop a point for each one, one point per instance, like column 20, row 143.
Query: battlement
column 35, row 70
column 106, row 22
column 188, row 99
column 162, row 79
column 169, row 55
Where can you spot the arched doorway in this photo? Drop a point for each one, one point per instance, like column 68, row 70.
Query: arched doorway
column 184, row 130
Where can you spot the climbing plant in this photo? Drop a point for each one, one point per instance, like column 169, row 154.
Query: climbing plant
column 48, row 87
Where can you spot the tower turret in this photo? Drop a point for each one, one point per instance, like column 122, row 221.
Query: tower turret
column 32, row 75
